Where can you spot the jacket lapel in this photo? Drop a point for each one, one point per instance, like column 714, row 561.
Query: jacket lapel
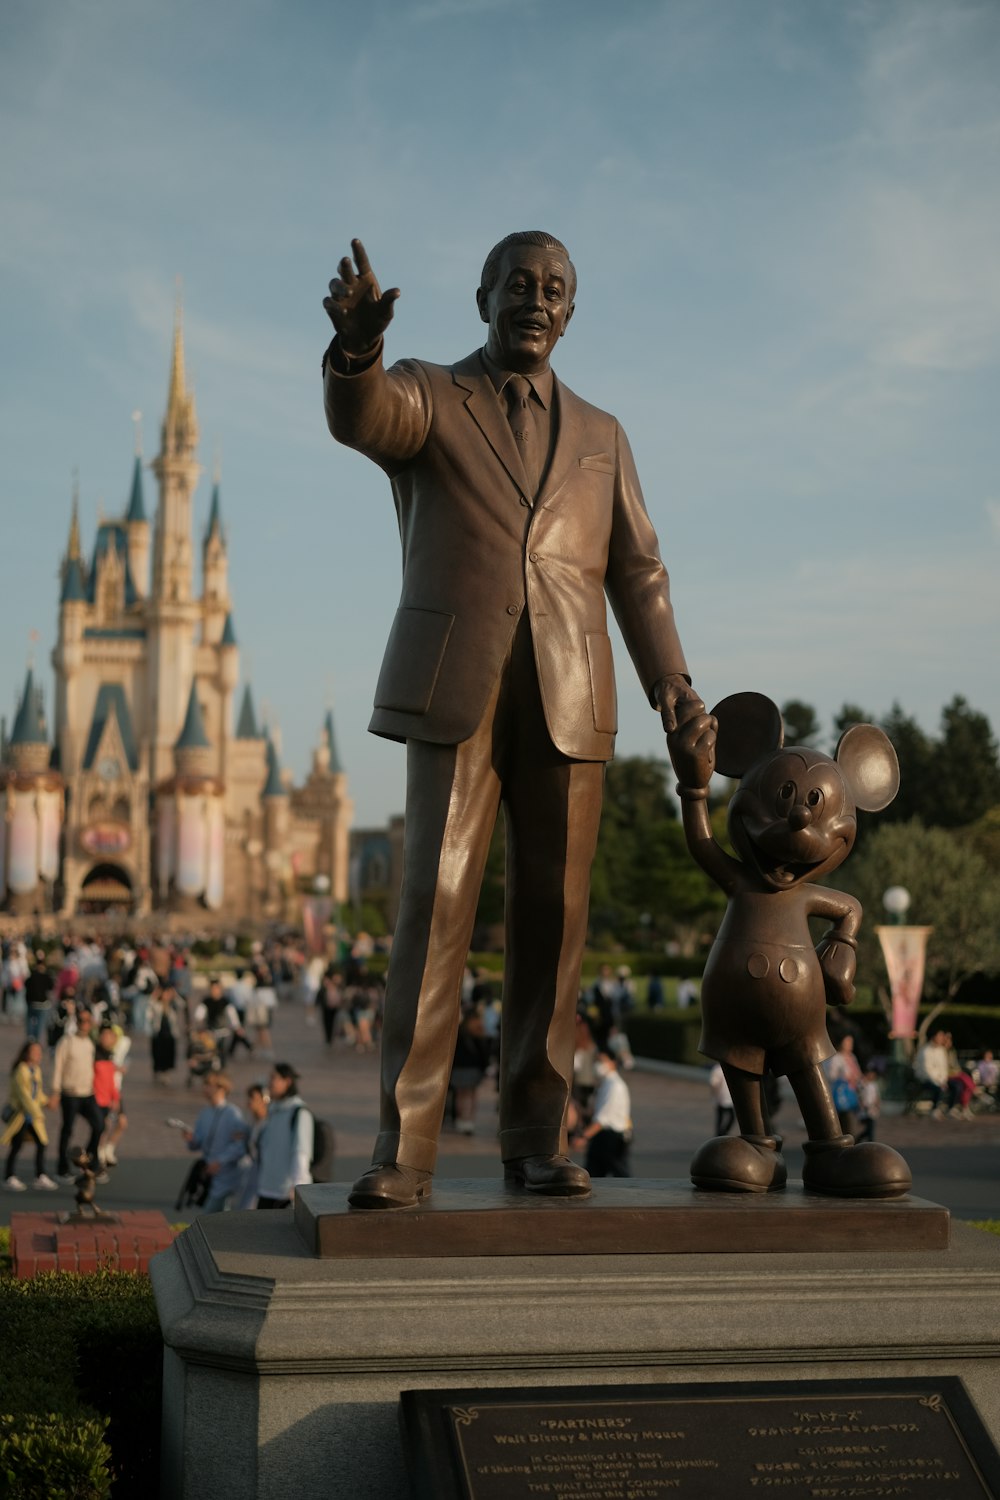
column 570, row 441
column 485, row 410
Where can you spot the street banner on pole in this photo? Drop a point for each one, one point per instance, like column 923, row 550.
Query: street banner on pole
column 904, row 949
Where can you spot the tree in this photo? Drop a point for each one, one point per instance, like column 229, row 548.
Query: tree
column 849, row 714
column 644, row 884
column 801, row 723
column 952, row 888
column 965, row 766
column 915, row 753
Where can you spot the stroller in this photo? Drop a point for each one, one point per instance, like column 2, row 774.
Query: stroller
column 203, row 1056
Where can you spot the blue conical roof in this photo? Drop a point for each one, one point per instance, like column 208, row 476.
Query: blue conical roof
column 214, row 514
column 136, row 508
column 229, row 632
column 193, row 736
column 74, row 590
column 273, row 787
column 28, row 728
column 246, row 727
column 335, row 764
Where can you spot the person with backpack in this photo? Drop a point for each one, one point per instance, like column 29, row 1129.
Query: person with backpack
column 285, row 1148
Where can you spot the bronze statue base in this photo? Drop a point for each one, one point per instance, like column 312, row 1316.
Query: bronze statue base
column 89, row 1216
column 629, row 1216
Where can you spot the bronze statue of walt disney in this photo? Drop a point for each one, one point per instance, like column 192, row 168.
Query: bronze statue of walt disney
column 519, row 512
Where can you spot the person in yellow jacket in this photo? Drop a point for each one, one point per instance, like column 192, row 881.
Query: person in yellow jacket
column 24, row 1117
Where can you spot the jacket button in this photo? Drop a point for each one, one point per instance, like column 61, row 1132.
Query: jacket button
column 512, row 609
column 532, row 556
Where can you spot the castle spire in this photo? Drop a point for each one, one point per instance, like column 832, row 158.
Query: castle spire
column 180, row 425
column 335, row 762
column 193, row 736
column 273, row 786
column 215, row 514
column 73, row 545
column 73, row 576
column 136, row 508
column 246, row 728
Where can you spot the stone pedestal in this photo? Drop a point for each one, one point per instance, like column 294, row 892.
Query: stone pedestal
column 284, row 1370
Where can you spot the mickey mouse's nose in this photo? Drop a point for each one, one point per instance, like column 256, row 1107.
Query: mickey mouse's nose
column 799, row 817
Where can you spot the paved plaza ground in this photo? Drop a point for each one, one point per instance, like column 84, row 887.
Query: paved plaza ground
column 955, row 1162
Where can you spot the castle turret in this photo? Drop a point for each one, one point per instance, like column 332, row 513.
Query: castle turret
column 276, row 821
column 31, row 810
column 190, row 824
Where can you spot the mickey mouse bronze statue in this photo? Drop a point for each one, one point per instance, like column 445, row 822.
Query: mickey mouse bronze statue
column 766, row 986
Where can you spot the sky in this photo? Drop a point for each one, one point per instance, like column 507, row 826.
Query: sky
column 785, row 219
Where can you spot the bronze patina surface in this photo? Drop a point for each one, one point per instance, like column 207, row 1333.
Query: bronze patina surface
column 628, row 1216
column 767, row 983
column 520, row 516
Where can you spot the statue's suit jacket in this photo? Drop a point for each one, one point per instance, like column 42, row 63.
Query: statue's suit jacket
column 478, row 550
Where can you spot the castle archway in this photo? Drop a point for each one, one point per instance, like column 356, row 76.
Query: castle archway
column 106, row 887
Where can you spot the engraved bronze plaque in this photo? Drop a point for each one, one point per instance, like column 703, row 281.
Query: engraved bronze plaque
column 803, row 1440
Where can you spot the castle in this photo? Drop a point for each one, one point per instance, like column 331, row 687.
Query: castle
column 148, row 800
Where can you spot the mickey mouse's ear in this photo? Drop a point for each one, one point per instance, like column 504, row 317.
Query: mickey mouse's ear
column 749, row 726
column 869, row 766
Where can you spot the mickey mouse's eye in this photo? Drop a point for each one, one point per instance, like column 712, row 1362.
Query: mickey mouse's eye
column 786, row 791
column 815, row 797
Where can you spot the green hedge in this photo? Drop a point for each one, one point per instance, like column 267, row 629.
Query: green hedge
column 672, row 1035
column 666, row 1035
column 973, row 1027
column 54, row 1458
column 81, row 1369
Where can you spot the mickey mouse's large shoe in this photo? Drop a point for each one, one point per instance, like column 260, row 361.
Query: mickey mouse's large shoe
column 556, row 1176
column 390, row 1185
column 841, row 1169
column 740, row 1164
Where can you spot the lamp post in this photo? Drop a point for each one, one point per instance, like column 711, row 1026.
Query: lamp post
column 903, row 948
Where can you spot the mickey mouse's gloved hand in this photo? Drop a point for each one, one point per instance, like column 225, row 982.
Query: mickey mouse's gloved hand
column 692, row 752
column 838, row 960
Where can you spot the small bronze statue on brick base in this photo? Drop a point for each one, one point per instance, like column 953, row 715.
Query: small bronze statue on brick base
column 766, row 986
column 87, row 1211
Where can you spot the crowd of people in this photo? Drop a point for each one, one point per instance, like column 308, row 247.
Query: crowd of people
column 952, row 1084
column 92, row 1005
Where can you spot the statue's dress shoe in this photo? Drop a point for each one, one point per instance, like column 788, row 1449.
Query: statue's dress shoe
column 740, row 1164
column 555, row 1175
column 844, row 1170
column 390, row 1185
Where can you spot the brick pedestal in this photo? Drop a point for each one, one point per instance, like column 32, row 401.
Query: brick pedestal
column 38, row 1242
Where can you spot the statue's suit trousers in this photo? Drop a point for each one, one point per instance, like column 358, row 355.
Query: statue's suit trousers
column 552, row 809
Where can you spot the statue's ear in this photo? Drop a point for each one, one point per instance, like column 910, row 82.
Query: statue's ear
column 868, row 764
column 749, row 726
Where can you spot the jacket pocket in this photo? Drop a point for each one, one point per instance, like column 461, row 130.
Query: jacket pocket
column 412, row 661
column 603, row 697
column 603, row 462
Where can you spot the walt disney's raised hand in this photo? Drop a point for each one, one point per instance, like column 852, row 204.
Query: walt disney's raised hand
column 692, row 751
column 358, row 309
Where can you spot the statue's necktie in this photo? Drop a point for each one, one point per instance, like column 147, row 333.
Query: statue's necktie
column 523, row 426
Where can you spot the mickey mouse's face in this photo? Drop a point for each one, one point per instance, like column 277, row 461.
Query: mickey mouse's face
column 792, row 817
